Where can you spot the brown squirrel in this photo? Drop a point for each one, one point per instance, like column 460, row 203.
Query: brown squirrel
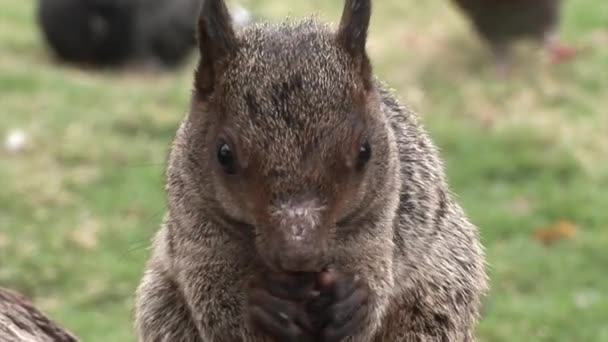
column 21, row 321
column 304, row 203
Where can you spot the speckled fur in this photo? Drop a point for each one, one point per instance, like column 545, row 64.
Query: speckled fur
column 292, row 93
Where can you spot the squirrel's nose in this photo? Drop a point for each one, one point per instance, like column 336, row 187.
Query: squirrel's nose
column 299, row 238
column 302, row 244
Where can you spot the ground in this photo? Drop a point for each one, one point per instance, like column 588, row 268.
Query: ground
column 526, row 157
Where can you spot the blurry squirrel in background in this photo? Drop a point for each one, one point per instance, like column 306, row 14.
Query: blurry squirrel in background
column 501, row 22
column 160, row 33
column 96, row 32
column 304, row 203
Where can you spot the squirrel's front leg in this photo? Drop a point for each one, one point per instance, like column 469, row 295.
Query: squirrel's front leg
column 215, row 303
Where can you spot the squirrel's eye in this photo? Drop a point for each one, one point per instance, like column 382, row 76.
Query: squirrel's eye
column 226, row 158
column 365, row 153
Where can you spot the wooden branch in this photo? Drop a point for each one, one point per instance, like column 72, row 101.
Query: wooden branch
column 21, row 321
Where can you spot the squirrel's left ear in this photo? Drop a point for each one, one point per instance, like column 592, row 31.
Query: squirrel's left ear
column 352, row 35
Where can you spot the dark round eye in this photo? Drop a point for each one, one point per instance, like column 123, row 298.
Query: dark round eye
column 365, row 153
column 226, row 158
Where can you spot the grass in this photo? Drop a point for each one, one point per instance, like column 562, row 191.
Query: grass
column 79, row 206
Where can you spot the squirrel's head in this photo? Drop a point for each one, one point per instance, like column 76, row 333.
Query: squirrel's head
column 288, row 135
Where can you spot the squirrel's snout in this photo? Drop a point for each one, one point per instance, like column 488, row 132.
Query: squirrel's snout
column 301, row 248
column 298, row 237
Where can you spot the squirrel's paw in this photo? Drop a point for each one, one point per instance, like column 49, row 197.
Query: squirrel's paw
column 341, row 308
column 275, row 308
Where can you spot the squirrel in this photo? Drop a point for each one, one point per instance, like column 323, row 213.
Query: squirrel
column 165, row 31
column 153, row 33
column 304, row 202
column 97, row 32
column 114, row 33
column 500, row 23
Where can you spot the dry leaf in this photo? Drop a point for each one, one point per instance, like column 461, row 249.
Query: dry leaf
column 86, row 235
column 521, row 206
column 3, row 241
column 586, row 298
column 563, row 229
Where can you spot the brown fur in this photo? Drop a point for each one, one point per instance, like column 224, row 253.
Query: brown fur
column 295, row 101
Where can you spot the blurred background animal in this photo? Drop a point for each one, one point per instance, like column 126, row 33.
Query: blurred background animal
column 501, row 22
column 98, row 32
column 158, row 33
column 165, row 31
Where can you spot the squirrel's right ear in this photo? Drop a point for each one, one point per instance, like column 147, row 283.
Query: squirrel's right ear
column 352, row 35
column 216, row 41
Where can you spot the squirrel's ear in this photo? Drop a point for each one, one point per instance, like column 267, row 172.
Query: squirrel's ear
column 216, row 41
column 352, row 34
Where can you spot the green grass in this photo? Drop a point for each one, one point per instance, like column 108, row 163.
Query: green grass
column 78, row 208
